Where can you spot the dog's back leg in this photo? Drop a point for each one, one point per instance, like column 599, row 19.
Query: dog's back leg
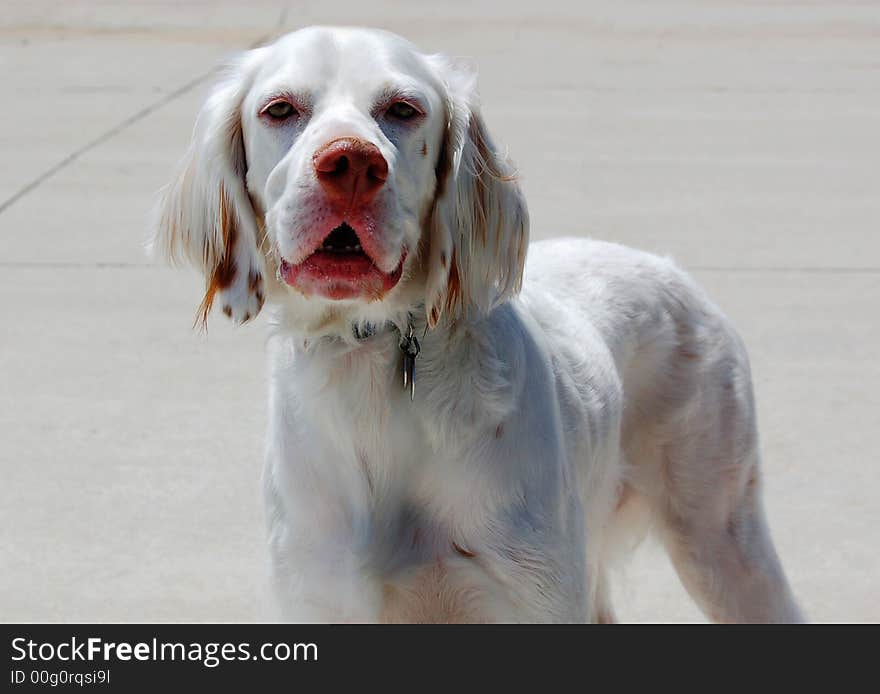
column 712, row 522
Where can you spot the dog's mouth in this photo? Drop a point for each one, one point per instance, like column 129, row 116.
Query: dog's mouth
column 343, row 240
column 340, row 268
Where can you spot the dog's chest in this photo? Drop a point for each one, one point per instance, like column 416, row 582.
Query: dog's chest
column 406, row 456
column 423, row 514
column 423, row 528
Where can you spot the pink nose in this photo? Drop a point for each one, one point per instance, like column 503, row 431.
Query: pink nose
column 350, row 170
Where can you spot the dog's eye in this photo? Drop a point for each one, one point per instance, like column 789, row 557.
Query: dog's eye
column 401, row 110
column 279, row 110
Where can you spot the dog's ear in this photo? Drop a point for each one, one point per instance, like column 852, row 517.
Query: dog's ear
column 479, row 226
column 205, row 216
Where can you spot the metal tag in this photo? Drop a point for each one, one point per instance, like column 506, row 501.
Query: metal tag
column 410, row 348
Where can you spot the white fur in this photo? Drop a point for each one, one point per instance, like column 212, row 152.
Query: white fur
column 550, row 428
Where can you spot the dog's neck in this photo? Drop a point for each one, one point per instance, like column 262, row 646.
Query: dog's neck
column 336, row 335
column 408, row 344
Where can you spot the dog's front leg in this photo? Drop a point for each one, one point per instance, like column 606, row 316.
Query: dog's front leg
column 318, row 544
column 538, row 567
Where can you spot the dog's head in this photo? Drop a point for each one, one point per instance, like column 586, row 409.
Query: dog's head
column 351, row 177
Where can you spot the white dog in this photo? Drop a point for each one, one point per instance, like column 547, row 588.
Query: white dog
column 456, row 434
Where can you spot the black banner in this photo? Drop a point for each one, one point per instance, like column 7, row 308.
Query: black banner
column 233, row 657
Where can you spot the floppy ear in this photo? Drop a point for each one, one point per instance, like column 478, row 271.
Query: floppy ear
column 205, row 215
column 479, row 227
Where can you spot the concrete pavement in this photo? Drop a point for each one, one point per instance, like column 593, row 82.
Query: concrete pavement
column 740, row 138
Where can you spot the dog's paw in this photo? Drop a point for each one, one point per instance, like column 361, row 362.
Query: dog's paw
column 244, row 298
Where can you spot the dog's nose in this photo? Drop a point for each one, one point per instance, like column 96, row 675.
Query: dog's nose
column 350, row 170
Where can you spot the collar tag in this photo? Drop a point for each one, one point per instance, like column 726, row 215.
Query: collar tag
column 410, row 348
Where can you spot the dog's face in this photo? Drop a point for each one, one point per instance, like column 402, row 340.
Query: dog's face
column 342, row 132
column 353, row 177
